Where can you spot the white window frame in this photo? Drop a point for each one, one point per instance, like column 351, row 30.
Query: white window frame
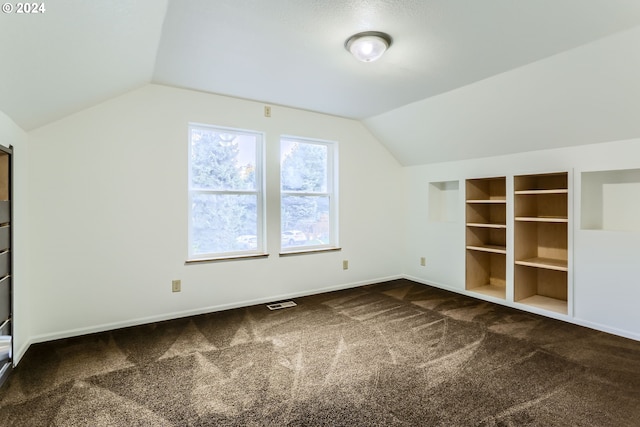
column 331, row 192
column 259, row 191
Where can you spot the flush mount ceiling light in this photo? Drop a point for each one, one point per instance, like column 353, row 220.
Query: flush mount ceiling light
column 368, row 46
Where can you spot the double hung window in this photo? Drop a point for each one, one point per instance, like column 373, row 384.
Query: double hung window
column 308, row 199
column 225, row 192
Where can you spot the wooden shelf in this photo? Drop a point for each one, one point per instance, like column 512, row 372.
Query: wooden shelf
column 542, row 219
column 497, row 201
column 478, row 224
column 489, row 248
column 548, row 263
column 551, row 191
column 546, row 303
column 491, row 290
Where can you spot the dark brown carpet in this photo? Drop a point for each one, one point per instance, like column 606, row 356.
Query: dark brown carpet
column 397, row 353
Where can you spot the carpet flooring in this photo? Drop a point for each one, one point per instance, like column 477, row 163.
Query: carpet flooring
column 393, row 354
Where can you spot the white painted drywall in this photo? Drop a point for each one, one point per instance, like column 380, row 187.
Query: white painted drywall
column 108, row 213
column 604, row 264
column 12, row 135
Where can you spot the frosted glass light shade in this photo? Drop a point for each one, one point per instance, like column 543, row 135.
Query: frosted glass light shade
column 368, row 46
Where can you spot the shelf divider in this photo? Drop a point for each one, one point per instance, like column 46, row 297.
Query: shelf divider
column 551, row 191
column 548, row 263
column 489, row 248
column 546, row 303
column 485, row 225
column 541, row 219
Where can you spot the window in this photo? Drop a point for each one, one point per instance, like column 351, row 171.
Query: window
column 308, row 205
column 225, row 192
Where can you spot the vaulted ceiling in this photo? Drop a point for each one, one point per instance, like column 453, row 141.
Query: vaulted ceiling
column 282, row 52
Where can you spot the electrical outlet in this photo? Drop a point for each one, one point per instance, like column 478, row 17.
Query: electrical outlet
column 423, row 261
column 345, row 264
column 267, row 111
column 176, row 286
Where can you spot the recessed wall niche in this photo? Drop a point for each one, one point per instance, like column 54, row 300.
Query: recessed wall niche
column 443, row 201
column 610, row 200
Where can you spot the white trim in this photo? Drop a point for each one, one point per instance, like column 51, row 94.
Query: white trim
column 530, row 309
column 607, row 329
column 211, row 309
column 17, row 355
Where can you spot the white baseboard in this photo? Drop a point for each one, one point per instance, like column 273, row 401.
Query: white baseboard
column 569, row 319
column 431, row 283
column 211, row 309
column 17, row 354
column 186, row 313
column 604, row 328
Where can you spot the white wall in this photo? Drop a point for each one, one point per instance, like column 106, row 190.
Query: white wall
column 12, row 135
column 605, row 263
column 108, row 213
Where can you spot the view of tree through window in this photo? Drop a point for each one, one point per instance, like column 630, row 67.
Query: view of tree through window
column 307, row 198
column 225, row 190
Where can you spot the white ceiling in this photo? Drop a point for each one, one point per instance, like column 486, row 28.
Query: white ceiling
column 284, row 52
column 290, row 52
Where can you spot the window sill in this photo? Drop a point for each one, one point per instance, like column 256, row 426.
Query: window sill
column 309, row 251
column 225, row 258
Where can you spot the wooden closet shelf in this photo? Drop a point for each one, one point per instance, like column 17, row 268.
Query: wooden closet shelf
column 481, row 224
column 550, row 191
column 548, row 263
column 542, row 219
column 488, row 201
column 491, row 290
column 546, row 303
column 489, row 248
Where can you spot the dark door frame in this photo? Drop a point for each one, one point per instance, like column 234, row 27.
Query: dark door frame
column 7, row 366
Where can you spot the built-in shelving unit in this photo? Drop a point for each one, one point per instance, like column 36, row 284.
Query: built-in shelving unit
column 486, row 239
column 541, row 241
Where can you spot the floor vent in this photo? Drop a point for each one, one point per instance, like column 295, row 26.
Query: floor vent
column 279, row 305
